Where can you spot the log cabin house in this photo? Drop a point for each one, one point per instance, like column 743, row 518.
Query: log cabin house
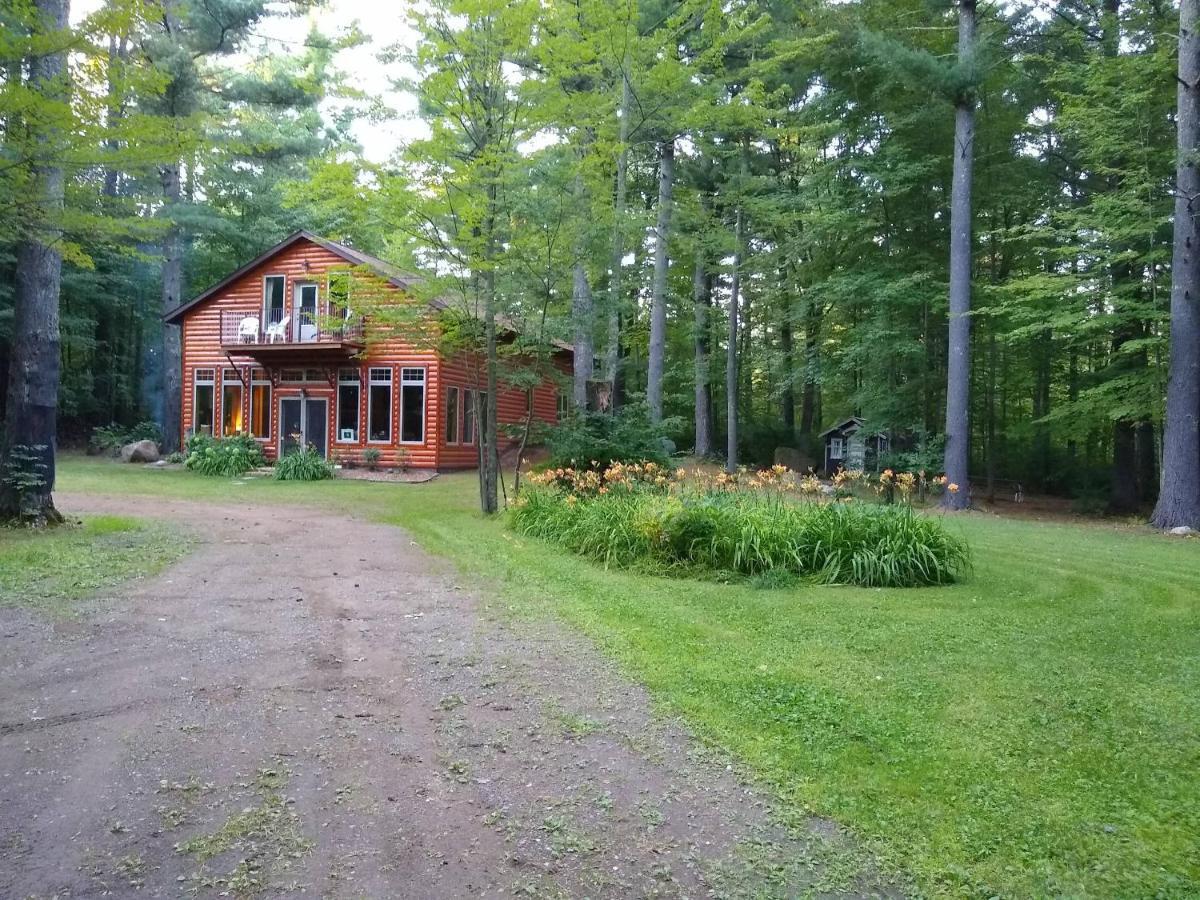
column 275, row 350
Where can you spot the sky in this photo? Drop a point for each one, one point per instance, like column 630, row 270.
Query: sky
column 382, row 21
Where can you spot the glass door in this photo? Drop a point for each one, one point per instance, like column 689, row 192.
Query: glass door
column 291, row 425
column 316, row 425
column 303, row 422
column 306, row 313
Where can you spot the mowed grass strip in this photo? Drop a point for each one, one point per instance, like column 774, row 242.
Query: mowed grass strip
column 1032, row 731
column 54, row 569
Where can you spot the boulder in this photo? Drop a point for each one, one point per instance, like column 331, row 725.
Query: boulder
column 794, row 459
column 140, row 452
column 1184, row 531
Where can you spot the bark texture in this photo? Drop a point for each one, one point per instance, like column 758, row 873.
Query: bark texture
column 1179, row 497
column 32, row 400
column 658, row 301
column 958, row 376
column 702, row 307
column 172, row 296
column 731, row 349
column 612, row 350
column 582, row 317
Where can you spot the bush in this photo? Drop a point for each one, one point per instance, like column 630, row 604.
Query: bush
column 226, row 457
column 596, row 440
column 111, row 438
column 303, row 465
column 370, row 458
column 762, row 537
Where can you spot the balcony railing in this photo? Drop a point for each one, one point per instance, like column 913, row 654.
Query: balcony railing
column 280, row 328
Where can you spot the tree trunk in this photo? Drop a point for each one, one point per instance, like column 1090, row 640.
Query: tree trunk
column 731, row 350
column 582, row 317
column 1179, row 498
column 172, row 296
column 32, row 401
column 658, row 300
column 810, row 415
column 612, row 355
column 702, row 308
column 959, row 348
column 789, row 363
column 1123, row 495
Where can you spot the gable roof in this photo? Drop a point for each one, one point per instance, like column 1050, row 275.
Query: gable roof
column 357, row 257
column 854, row 421
column 384, row 269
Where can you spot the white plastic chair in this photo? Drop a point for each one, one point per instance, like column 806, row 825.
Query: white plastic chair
column 248, row 330
column 278, row 330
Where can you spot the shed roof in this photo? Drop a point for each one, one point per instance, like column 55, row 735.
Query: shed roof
column 854, row 421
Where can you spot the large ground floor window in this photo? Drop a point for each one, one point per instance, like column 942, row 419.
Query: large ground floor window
column 231, row 402
column 348, row 399
column 412, row 406
column 452, row 423
column 203, row 400
column 260, row 405
column 379, row 406
column 468, row 417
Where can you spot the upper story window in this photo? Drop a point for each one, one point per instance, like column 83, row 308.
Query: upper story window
column 273, row 294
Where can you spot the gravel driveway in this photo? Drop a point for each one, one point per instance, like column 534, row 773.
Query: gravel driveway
column 310, row 705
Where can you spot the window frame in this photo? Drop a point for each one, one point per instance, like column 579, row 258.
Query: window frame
column 371, row 383
column 468, row 431
column 266, row 317
column 211, row 383
column 231, row 378
column 261, row 380
column 406, row 382
column 453, row 414
column 356, row 382
column 837, row 448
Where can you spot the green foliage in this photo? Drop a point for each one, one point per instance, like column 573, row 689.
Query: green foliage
column 25, row 476
column 223, row 457
column 370, row 458
column 305, row 464
column 751, row 535
column 596, row 440
column 111, row 438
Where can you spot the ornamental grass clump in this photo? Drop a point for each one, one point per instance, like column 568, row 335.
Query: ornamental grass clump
column 306, row 464
column 753, row 534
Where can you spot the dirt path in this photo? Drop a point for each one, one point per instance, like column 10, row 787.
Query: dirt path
column 309, row 704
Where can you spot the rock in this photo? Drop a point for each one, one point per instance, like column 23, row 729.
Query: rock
column 1184, row 531
column 140, row 452
column 793, row 458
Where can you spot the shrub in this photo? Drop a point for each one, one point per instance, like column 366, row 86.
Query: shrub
column 596, row 440
column 754, row 535
column 226, row 457
column 370, row 458
column 303, row 465
column 111, row 438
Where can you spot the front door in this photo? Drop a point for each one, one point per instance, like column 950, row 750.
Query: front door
column 303, row 421
column 306, row 313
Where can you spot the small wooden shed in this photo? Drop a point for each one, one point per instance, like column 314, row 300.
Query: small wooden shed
column 848, row 445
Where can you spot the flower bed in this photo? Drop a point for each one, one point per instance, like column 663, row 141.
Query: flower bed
column 766, row 525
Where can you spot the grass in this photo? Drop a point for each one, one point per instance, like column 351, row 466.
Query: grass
column 1031, row 731
column 53, row 570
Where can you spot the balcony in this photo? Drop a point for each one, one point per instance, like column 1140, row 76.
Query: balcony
column 280, row 336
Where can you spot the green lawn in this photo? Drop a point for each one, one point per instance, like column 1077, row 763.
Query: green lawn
column 1033, row 731
column 52, row 570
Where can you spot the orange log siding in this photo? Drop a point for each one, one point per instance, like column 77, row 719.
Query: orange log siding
column 306, row 262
